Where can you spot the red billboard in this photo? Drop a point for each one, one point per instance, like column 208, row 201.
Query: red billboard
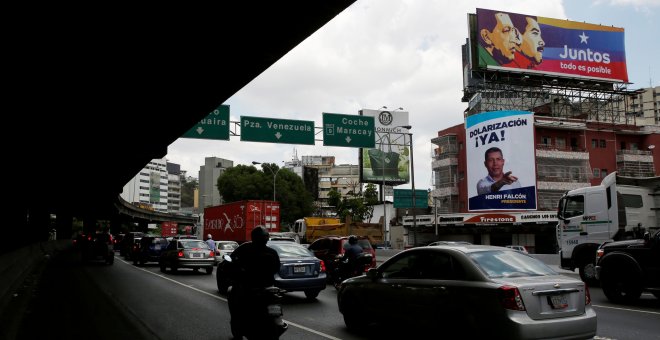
column 168, row 229
column 525, row 43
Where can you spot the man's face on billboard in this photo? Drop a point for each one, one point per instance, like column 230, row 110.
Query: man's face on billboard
column 505, row 37
column 495, row 164
column 532, row 43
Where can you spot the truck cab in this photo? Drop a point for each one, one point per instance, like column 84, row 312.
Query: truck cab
column 618, row 208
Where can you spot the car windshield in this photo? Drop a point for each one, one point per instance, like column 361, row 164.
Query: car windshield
column 290, row 250
column 363, row 242
column 227, row 246
column 194, row 244
column 502, row 263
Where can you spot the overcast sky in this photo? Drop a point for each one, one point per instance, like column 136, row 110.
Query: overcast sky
column 398, row 53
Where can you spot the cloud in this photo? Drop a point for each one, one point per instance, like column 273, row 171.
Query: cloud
column 376, row 53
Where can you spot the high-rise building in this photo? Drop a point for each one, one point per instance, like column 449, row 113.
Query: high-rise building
column 174, row 175
column 149, row 187
column 208, row 181
column 645, row 106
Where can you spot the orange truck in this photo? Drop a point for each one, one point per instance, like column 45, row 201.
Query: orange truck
column 310, row 229
column 235, row 221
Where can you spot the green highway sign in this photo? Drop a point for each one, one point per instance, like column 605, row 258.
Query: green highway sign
column 348, row 130
column 214, row 126
column 273, row 130
column 403, row 198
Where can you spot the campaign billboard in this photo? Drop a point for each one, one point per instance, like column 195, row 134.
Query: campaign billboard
column 532, row 44
column 501, row 167
column 389, row 160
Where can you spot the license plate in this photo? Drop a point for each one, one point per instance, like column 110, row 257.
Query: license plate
column 299, row 269
column 558, row 301
column 196, row 255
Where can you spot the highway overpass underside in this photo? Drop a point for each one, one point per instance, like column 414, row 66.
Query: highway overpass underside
column 102, row 93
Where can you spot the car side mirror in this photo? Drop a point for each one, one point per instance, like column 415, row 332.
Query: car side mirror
column 647, row 237
column 372, row 273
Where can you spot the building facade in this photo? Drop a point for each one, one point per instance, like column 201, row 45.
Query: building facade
column 570, row 153
column 208, row 181
column 149, row 188
column 174, row 175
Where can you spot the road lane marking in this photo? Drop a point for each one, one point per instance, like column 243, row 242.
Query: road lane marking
column 627, row 309
column 327, row 336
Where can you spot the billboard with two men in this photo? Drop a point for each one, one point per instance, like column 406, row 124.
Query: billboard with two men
column 501, row 167
column 526, row 43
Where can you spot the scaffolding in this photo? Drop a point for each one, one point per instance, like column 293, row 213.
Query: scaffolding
column 559, row 97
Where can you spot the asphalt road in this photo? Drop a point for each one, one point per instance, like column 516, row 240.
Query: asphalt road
column 61, row 301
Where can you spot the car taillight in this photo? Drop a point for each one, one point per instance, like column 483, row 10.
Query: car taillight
column 510, row 298
column 599, row 253
column 211, row 253
column 322, row 266
column 587, row 296
column 180, row 254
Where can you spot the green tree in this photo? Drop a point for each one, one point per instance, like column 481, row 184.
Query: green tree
column 188, row 186
column 359, row 206
column 244, row 182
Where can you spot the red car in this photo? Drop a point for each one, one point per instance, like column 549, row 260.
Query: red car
column 331, row 248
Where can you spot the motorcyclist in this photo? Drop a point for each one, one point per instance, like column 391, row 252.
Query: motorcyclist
column 352, row 251
column 254, row 265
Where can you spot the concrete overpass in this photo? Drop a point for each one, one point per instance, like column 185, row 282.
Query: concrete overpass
column 96, row 93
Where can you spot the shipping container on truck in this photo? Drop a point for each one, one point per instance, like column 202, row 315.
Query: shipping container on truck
column 235, row 221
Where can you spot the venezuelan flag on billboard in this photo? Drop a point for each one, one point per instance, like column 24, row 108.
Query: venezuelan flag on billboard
column 527, row 43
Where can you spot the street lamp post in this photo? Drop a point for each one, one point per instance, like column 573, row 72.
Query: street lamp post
column 412, row 179
column 274, row 176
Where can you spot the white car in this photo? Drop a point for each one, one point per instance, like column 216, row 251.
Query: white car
column 521, row 249
column 224, row 248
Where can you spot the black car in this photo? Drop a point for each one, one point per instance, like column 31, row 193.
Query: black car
column 626, row 268
column 148, row 249
column 96, row 246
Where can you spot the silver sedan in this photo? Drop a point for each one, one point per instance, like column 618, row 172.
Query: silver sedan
column 471, row 291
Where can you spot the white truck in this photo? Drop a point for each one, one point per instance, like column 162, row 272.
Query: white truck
column 617, row 209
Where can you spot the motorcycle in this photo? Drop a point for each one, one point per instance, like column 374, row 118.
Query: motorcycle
column 345, row 269
column 256, row 313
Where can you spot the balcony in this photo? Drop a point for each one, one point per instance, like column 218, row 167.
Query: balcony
column 567, row 153
column 441, row 163
column 445, row 191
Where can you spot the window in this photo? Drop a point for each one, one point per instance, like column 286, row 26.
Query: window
column 574, row 206
column 561, row 143
column 623, row 145
column 603, row 144
column 603, row 173
column 594, row 143
column 596, row 173
column 632, row 201
column 545, row 140
column 425, row 265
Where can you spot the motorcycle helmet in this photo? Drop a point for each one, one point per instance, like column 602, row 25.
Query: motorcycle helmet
column 209, row 236
column 260, row 235
column 352, row 239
